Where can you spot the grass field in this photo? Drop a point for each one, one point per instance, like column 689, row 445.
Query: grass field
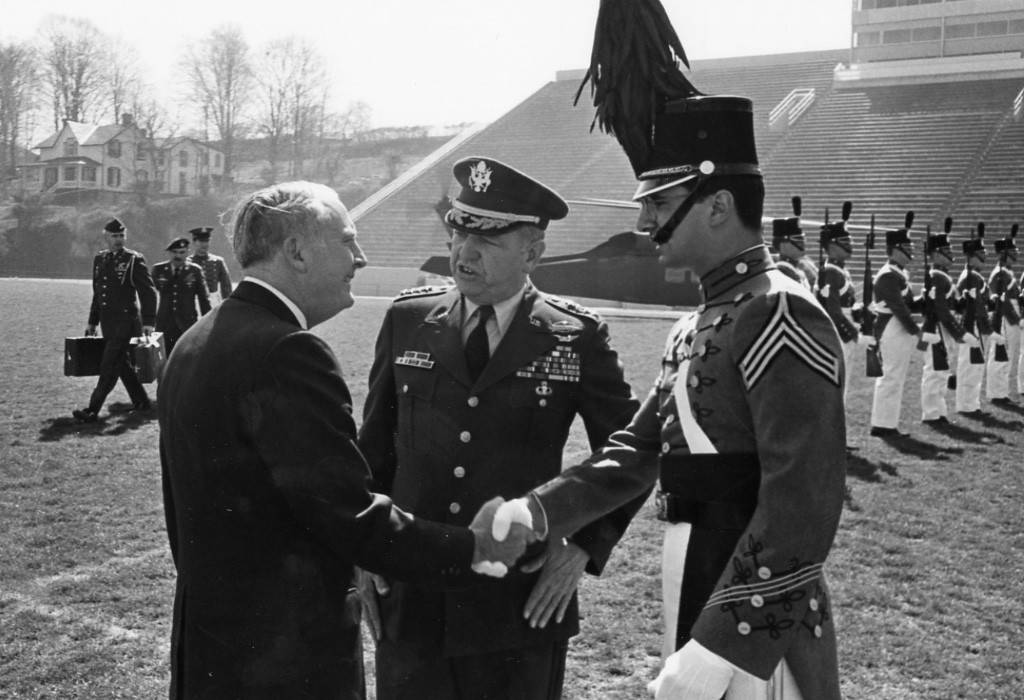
column 927, row 570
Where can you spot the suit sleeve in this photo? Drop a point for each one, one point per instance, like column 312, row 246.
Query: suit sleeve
column 830, row 294
column 225, row 278
column 380, row 412
column 144, row 287
column 606, row 405
column 888, row 290
column 302, row 425
column 764, row 596
column 170, row 513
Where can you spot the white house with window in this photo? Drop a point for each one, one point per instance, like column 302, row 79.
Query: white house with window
column 120, row 158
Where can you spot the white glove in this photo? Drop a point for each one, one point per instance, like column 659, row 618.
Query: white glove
column 515, row 511
column 971, row 340
column 998, row 338
column 972, row 293
column 692, row 673
column 825, row 291
column 930, row 338
column 931, row 293
column 867, row 340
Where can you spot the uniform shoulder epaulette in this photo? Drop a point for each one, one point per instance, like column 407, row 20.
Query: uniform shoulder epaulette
column 417, row 292
column 571, row 307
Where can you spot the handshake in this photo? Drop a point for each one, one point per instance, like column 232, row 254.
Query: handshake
column 502, row 530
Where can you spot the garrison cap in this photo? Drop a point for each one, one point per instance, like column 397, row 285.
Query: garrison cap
column 1007, row 244
column 496, row 197
column 178, row 244
column 201, row 233
column 976, row 244
column 113, row 226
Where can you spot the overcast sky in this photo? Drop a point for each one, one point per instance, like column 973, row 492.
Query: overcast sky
column 424, row 63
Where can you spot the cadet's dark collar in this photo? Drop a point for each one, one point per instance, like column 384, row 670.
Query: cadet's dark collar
column 751, row 262
column 837, row 263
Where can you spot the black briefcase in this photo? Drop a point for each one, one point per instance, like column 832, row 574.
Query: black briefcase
column 149, row 356
column 82, row 356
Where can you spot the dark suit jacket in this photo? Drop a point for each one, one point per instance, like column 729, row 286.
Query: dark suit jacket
column 442, row 445
column 268, row 509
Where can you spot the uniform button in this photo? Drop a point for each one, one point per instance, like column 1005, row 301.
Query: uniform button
column 764, row 573
column 814, row 604
column 666, row 448
column 700, row 309
column 817, row 631
column 669, row 419
column 473, row 401
column 741, row 268
column 465, row 436
column 743, row 628
column 459, row 472
column 702, row 351
column 542, row 403
column 454, row 508
column 405, row 388
column 757, row 601
column 694, row 381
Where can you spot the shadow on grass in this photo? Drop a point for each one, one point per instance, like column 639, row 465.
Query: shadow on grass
column 866, row 470
column 962, row 433
column 1011, row 407
column 119, row 421
column 912, row 446
column 990, row 421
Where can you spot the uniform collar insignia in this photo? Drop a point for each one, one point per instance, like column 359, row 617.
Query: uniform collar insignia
column 735, row 270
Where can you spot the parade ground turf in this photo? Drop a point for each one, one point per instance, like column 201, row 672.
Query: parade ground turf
column 927, row 570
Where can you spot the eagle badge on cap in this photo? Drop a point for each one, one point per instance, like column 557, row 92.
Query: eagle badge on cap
column 480, row 177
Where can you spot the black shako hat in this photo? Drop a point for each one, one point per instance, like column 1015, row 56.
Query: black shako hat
column 178, row 244
column 496, row 197
column 789, row 228
column 976, row 243
column 1007, row 244
column 900, row 236
column 836, row 230
column 938, row 241
column 201, row 233
column 113, row 226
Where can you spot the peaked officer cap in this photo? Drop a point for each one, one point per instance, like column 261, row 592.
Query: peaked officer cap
column 201, row 233
column 178, row 244
column 496, row 197
column 113, row 226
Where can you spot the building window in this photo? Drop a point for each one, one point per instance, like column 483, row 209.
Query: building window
column 50, row 177
column 896, row 36
column 183, row 158
column 216, row 160
column 70, row 173
column 927, row 33
column 113, row 177
column 868, row 39
column 205, row 158
column 959, row 31
column 887, row 3
column 114, row 149
column 88, row 173
column 1016, row 26
column 142, row 175
column 182, row 184
column 140, row 153
column 992, row 28
column 70, row 147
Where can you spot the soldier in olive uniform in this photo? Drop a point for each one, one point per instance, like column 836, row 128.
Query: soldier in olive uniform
column 789, row 240
column 895, row 329
column 836, row 293
column 472, row 393
column 972, row 291
column 751, row 481
column 1004, row 294
column 218, row 279
column 119, row 276
column 943, row 299
column 182, row 286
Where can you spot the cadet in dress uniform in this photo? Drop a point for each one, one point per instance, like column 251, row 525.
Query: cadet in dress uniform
column 895, row 329
column 788, row 238
column 182, row 286
column 218, row 279
column 943, row 299
column 1004, row 293
column 472, row 393
column 973, row 293
column 750, row 480
column 119, row 276
column 836, row 293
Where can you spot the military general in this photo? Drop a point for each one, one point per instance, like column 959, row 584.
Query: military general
column 119, row 277
column 472, row 393
column 182, row 287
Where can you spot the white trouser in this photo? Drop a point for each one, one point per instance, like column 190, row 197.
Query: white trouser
column 896, row 346
column 744, row 686
column 849, row 353
column 968, row 381
column 997, row 382
column 934, row 383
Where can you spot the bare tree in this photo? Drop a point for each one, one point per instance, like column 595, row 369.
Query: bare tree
column 220, row 80
column 121, row 78
column 353, row 121
column 73, row 67
column 19, row 74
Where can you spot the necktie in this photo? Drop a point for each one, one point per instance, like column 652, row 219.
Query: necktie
column 478, row 349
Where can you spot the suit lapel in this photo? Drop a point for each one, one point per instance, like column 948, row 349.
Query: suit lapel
column 441, row 329
column 527, row 338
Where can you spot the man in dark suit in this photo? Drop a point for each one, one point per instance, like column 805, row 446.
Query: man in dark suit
column 119, row 275
column 182, row 286
column 472, row 393
column 265, row 491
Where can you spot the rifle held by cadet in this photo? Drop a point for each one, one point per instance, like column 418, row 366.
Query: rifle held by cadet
column 873, row 360
column 930, row 327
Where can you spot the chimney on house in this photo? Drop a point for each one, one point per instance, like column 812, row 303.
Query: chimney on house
column 127, row 119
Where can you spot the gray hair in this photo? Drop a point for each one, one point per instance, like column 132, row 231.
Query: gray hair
column 264, row 219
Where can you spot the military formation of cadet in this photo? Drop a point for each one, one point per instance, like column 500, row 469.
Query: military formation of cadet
column 968, row 329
